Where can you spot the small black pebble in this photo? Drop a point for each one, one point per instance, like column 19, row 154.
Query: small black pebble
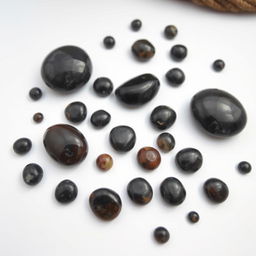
column 179, row 52
column 244, row 167
column 218, row 65
column 22, row 146
column 38, row 117
column 66, row 191
column 143, row 50
column 109, row 42
column 103, row 86
column 35, row 93
column 166, row 142
column 32, row 174
column 170, row 31
column 136, row 25
column 193, row 217
column 100, row 118
column 175, row 76
column 76, row 112
column 161, row 235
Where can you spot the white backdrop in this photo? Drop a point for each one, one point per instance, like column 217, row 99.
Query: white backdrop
column 32, row 222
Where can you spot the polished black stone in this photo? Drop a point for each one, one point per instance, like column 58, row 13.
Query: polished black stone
column 170, row 31
column 136, row 25
column 138, row 90
column 66, row 68
column 103, row 86
column 218, row 65
column 35, row 93
column 32, row 174
column 100, row 118
column 143, row 50
column 161, row 235
column 218, row 112
column 179, row 52
column 193, row 217
column 38, row 117
column 163, row 117
column 189, row 160
column 166, row 142
column 76, row 112
column 66, row 191
column 122, row 138
column 244, row 167
column 105, row 203
column 172, row 191
column 109, row 42
column 216, row 190
column 175, row 77
column 140, row 191
column 22, row 146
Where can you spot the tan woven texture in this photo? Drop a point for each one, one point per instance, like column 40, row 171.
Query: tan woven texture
column 229, row 5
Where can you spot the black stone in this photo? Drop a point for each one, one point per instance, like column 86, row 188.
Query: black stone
column 100, row 118
column 122, row 138
column 136, row 25
column 244, row 167
column 138, row 90
column 189, row 160
column 32, row 174
column 170, row 31
column 216, row 190
column 103, row 86
column 35, row 93
column 193, row 217
column 179, row 52
column 66, row 68
column 143, row 50
column 163, row 117
column 166, row 142
column 109, row 42
column 76, row 112
column 218, row 112
column 38, row 117
column 218, row 65
column 66, row 192
column 175, row 77
column 161, row 235
column 22, row 146
column 140, row 191
column 172, row 191
column 105, row 203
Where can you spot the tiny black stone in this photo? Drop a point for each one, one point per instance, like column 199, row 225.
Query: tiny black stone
column 32, row 174
column 103, row 86
column 193, row 217
column 22, row 146
column 170, row 31
column 136, row 25
column 179, row 52
column 76, row 112
column 109, row 42
column 175, row 77
column 100, row 118
column 218, row 65
column 66, row 191
column 143, row 50
column 35, row 93
column 161, row 235
column 166, row 142
column 244, row 167
column 38, row 117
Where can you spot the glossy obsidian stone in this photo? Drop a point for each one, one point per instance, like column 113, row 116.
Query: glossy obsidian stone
column 66, row 192
column 109, row 42
column 65, row 144
column 172, row 191
column 216, row 190
column 218, row 65
column 218, row 112
column 103, row 86
column 189, row 160
column 179, row 52
column 149, row 158
column 140, row 191
column 104, row 162
column 138, row 90
column 143, row 50
column 166, row 142
column 244, row 167
column 193, row 217
column 66, row 69
column 22, row 146
column 105, row 203
column 122, row 138
column 32, row 174
column 136, row 25
column 76, row 112
column 161, row 235
column 175, row 77
column 100, row 118
column 163, row 117
column 170, row 31
column 35, row 93
column 38, row 117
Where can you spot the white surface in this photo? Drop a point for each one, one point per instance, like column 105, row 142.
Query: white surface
column 31, row 222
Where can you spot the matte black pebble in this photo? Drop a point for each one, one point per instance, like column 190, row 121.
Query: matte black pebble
column 109, row 42
column 172, row 191
column 193, row 217
column 105, row 203
column 76, row 112
column 166, row 142
column 100, row 118
column 244, row 167
column 175, row 77
column 32, row 174
column 22, row 146
column 218, row 112
column 143, row 50
column 122, row 138
column 136, row 25
column 170, row 31
column 161, row 235
column 163, row 117
column 66, row 69
column 140, row 191
column 218, row 65
column 35, row 93
column 66, row 192
column 138, row 90
column 103, row 86
column 216, row 190
column 179, row 52
column 189, row 160
column 38, row 117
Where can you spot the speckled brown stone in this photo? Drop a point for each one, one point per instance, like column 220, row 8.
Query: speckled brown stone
column 149, row 158
column 104, row 162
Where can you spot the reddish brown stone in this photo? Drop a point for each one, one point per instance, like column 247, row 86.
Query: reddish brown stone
column 104, row 162
column 149, row 158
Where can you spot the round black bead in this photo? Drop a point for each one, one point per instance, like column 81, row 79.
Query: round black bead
column 32, row 174
column 103, row 86
column 35, row 93
column 76, row 112
column 22, row 146
column 175, row 76
column 218, row 65
column 170, row 31
column 109, row 42
column 38, row 117
column 66, row 191
column 100, row 118
column 244, row 167
column 161, row 235
column 179, row 52
column 193, row 217
column 136, row 25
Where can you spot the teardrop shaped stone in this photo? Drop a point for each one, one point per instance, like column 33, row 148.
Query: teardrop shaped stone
column 65, row 144
column 219, row 112
column 138, row 90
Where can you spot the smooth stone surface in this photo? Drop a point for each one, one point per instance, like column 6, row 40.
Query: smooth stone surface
column 216, row 190
column 104, row 162
column 166, row 142
column 103, row 86
column 65, row 144
column 149, row 158
column 218, row 65
column 218, row 112
column 35, row 93
column 170, row 31
column 179, row 52
column 109, row 42
column 244, row 167
column 140, row 191
column 32, row 174
column 161, row 235
column 189, row 160
column 193, row 217
column 67, row 68
column 138, row 90
column 76, row 112
column 38, row 117
column 175, row 77
column 136, row 25
column 100, row 118
column 66, row 192
column 22, row 146
column 143, row 50
column 163, row 117
column 105, row 203
column 122, row 138
column 172, row 191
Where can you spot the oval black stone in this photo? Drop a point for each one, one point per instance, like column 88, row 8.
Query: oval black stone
column 143, row 50
column 170, row 31
column 244, row 167
column 105, row 203
column 66, row 68
column 122, row 138
column 161, row 235
column 175, row 77
column 136, row 25
column 218, row 112
column 172, row 191
column 66, row 192
column 179, row 52
column 76, row 112
column 22, row 146
column 35, row 93
column 32, row 174
column 103, row 86
column 138, row 90
column 193, row 217
column 218, row 65
column 100, row 118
